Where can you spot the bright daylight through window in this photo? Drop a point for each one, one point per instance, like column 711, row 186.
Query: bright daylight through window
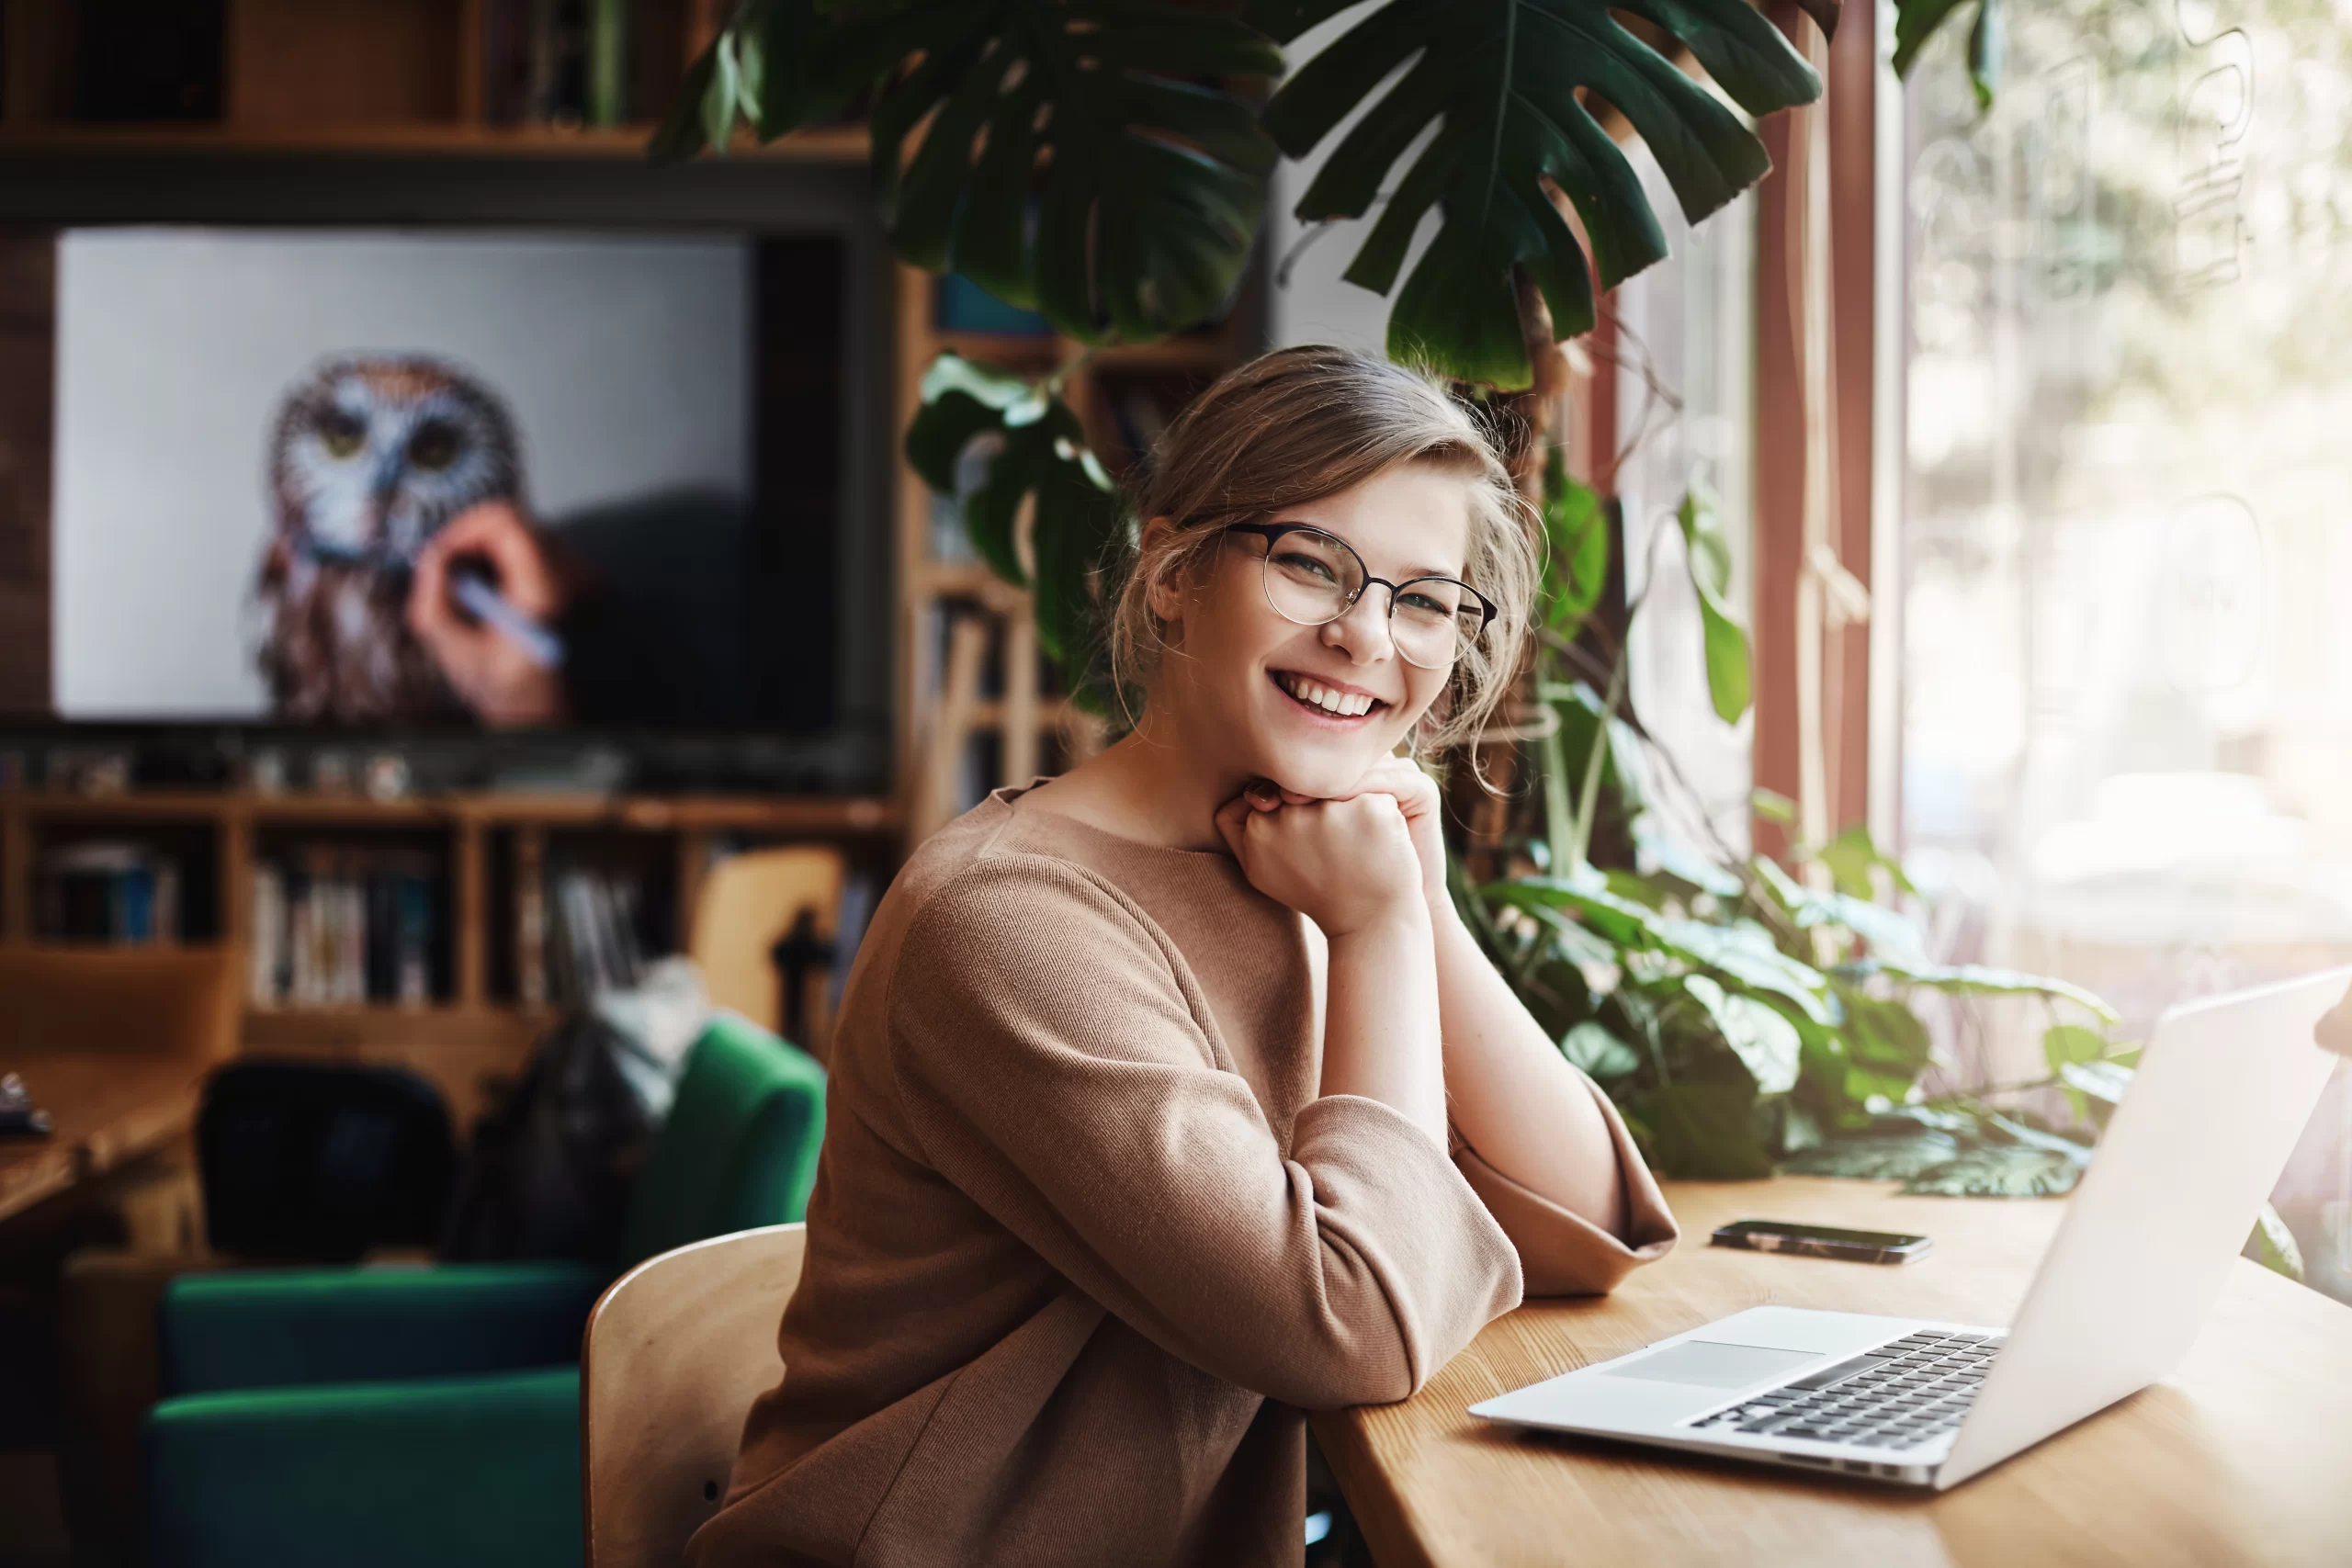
column 2126, row 685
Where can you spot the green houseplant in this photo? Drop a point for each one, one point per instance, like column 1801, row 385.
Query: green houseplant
column 1103, row 161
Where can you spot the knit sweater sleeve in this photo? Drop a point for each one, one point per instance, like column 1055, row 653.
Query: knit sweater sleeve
column 1052, row 1061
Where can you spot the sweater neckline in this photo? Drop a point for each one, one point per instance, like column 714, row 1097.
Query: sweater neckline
column 1008, row 795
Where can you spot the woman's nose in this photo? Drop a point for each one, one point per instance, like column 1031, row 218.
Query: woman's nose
column 1362, row 629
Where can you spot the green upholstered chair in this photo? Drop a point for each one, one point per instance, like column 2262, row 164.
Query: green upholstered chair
column 430, row 1417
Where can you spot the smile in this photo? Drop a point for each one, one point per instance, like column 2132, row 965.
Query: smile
column 1325, row 700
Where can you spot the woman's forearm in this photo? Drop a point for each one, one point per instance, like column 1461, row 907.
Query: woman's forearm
column 1514, row 1097
column 1381, row 1025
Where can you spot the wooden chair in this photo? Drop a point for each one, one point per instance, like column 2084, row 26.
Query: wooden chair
column 747, row 906
column 676, row 1350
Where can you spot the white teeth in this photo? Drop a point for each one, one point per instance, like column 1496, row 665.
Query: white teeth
column 1340, row 705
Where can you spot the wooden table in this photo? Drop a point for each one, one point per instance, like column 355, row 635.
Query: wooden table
column 2244, row 1455
column 109, row 1108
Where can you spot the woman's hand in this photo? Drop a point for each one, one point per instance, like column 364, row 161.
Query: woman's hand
column 1346, row 864
column 1416, row 798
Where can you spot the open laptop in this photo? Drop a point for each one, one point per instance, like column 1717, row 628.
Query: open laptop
column 2222, row 1092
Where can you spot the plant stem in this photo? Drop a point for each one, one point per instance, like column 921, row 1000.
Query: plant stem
column 1588, row 798
column 1559, row 825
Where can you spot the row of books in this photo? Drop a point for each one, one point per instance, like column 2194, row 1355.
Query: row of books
column 338, row 927
column 592, row 935
column 571, row 62
column 105, row 891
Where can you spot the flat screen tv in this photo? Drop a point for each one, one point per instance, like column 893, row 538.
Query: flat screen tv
column 449, row 478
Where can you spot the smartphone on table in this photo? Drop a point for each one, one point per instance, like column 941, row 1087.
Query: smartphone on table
column 1822, row 1241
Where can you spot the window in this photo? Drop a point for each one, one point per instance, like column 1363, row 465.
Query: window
column 2126, row 676
column 1685, row 366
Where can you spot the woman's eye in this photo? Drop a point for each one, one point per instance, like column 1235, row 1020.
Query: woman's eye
column 1420, row 604
column 1305, row 566
column 342, row 435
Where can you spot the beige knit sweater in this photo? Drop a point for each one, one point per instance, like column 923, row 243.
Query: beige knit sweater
column 1085, row 1243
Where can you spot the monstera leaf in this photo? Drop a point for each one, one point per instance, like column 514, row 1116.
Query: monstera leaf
column 1041, row 457
column 1147, row 186
column 1503, row 83
column 1917, row 21
column 1070, row 160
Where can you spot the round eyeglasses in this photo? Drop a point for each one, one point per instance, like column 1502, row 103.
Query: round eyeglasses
column 1314, row 578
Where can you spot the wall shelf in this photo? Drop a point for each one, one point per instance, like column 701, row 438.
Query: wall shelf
column 829, row 144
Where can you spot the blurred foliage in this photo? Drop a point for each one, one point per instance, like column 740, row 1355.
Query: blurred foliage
column 1744, row 1017
column 1038, row 454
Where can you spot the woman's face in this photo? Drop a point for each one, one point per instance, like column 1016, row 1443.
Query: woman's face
column 1241, row 681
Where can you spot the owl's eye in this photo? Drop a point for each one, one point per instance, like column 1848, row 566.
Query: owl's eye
column 434, row 446
column 343, row 435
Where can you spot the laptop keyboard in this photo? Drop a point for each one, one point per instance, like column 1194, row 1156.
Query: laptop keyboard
column 1897, row 1396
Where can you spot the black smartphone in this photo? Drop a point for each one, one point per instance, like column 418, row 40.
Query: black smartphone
column 1822, row 1241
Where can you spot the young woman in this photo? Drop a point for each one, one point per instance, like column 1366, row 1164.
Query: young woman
column 1170, row 1098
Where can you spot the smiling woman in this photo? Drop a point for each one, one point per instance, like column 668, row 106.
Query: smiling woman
column 1170, row 1098
column 1284, row 449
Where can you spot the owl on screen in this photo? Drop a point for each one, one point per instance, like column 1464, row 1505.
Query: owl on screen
column 369, row 457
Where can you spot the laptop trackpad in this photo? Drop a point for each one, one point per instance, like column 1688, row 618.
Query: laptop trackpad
column 1709, row 1365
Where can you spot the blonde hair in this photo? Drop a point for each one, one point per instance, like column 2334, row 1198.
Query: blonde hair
column 1299, row 424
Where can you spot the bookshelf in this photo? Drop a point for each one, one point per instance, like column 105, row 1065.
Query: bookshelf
column 484, row 856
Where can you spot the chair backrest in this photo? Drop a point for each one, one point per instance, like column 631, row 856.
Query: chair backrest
column 747, row 905
column 739, row 1148
column 171, row 1000
column 322, row 1161
column 676, row 1350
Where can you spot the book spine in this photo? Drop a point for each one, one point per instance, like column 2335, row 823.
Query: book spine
column 167, row 901
column 138, row 884
column 621, row 898
column 531, row 941
column 263, row 983
column 353, row 955
column 413, row 950
column 608, row 62
column 381, row 933
column 301, row 942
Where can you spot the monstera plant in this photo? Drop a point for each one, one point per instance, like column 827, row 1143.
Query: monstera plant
column 1104, row 162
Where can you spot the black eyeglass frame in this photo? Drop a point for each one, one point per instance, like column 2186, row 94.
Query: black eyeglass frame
column 1272, row 532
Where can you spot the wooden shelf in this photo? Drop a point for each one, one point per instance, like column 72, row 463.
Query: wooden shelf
column 1027, row 350
column 1178, row 354
column 311, row 1019
column 1030, row 351
column 815, row 815
column 829, row 144
column 477, row 1032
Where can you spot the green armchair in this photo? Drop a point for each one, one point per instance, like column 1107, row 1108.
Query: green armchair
column 430, row 1417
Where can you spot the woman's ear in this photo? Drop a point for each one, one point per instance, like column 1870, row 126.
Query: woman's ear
column 1161, row 592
